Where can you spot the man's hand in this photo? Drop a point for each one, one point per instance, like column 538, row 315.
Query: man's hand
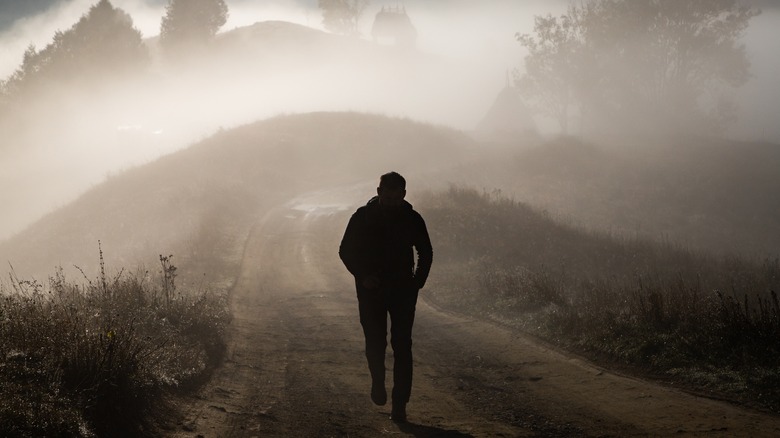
column 370, row 282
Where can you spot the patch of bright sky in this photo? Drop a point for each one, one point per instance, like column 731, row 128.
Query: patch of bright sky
column 39, row 29
column 454, row 27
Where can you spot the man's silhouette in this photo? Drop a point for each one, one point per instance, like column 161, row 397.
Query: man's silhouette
column 378, row 249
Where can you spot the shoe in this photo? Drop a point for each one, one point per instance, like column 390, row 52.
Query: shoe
column 378, row 393
column 398, row 414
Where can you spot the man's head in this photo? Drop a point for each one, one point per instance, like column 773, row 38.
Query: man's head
column 391, row 190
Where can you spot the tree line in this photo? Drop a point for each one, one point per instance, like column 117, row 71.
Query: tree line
column 635, row 65
column 104, row 43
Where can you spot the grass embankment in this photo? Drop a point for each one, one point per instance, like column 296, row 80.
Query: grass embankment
column 708, row 323
column 99, row 359
column 715, row 195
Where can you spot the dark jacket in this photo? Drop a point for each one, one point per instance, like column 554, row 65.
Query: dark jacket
column 379, row 242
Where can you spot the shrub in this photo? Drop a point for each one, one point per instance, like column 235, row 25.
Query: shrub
column 99, row 358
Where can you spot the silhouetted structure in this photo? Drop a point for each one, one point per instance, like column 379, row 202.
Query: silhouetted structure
column 509, row 118
column 392, row 25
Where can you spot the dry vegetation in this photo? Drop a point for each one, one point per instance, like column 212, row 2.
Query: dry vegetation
column 706, row 322
column 102, row 358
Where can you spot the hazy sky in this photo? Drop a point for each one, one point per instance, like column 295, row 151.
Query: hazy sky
column 477, row 36
column 478, row 30
column 448, row 26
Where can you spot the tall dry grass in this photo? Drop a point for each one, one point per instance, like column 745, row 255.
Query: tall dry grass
column 99, row 358
column 711, row 323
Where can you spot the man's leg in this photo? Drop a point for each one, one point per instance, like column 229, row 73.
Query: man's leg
column 373, row 318
column 401, row 309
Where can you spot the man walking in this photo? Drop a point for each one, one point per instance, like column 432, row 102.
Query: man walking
column 378, row 250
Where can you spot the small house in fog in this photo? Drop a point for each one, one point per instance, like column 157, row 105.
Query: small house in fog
column 392, row 26
column 508, row 119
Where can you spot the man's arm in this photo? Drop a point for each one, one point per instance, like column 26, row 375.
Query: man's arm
column 350, row 248
column 424, row 253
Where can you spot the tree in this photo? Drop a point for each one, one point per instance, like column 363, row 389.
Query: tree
column 551, row 74
column 103, row 43
column 342, row 16
column 661, row 61
column 191, row 22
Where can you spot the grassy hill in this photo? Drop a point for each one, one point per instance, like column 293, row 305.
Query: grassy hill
column 705, row 194
column 703, row 322
column 199, row 203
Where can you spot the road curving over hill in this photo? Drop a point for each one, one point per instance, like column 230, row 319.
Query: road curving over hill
column 295, row 365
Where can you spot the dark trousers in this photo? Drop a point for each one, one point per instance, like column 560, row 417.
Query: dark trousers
column 398, row 302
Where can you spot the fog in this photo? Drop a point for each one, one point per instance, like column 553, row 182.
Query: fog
column 760, row 97
column 66, row 141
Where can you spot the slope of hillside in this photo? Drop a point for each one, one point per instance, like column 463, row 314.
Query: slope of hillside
column 719, row 197
column 713, row 195
column 197, row 204
column 700, row 321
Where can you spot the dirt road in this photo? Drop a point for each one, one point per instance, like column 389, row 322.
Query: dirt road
column 295, row 365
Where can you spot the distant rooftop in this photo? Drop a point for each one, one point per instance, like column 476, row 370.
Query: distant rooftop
column 393, row 26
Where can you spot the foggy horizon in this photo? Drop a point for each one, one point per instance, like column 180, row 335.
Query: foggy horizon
column 490, row 40
column 465, row 50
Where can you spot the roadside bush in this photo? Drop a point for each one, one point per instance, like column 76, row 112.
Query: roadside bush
column 99, row 358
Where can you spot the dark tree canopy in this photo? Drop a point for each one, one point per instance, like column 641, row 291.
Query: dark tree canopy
column 622, row 61
column 103, row 43
column 342, row 16
column 191, row 22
